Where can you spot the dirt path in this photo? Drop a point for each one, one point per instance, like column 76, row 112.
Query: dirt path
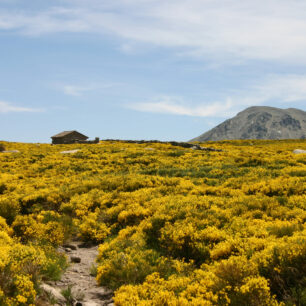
column 84, row 289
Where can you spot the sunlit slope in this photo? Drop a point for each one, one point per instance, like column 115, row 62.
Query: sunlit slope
column 176, row 226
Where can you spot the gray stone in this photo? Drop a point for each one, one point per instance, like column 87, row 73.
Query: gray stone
column 70, row 246
column 75, row 259
column 70, row 151
column 55, row 292
column 61, row 250
column 299, row 151
column 84, row 245
column 11, row 151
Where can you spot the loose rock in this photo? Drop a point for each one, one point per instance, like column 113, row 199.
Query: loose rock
column 91, row 304
column 85, row 245
column 70, row 151
column 11, row 151
column 75, row 259
column 109, row 302
column 55, row 292
column 299, row 151
column 70, row 246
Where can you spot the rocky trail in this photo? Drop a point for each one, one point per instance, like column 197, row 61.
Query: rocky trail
column 79, row 285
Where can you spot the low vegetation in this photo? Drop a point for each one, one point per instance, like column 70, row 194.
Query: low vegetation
column 176, row 226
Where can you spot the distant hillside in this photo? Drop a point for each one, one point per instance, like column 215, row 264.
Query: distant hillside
column 260, row 122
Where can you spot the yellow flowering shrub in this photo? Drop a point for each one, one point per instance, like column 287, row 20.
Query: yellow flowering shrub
column 4, row 227
column 91, row 229
column 19, row 271
column 176, row 226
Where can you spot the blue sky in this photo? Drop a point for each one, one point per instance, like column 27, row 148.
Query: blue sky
column 145, row 69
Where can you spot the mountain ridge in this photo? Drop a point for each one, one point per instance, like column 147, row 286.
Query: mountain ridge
column 260, row 122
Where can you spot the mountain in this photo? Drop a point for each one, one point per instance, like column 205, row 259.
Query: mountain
column 260, row 122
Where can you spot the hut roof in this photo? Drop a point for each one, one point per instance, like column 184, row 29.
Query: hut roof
column 65, row 133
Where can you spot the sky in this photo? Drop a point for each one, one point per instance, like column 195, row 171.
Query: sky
column 145, row 69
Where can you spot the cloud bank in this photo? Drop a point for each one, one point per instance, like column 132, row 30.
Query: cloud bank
column 224, row 30
column 281, row 89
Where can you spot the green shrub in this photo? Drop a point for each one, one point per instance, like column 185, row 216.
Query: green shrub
column 67, row 294
column 9, row 209
column 55, row 266
column 284, row 230
column 286, row 272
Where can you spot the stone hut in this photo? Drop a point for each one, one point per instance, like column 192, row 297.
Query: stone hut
column 69, row 137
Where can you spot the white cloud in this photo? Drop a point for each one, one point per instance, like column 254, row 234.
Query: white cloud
column 79, row 90
column 225, row 29
column 76, row 91
column 175, row 106
column 6, row 107
column 281, row 89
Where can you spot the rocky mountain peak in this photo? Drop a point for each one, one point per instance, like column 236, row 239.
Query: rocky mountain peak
column 260, row 122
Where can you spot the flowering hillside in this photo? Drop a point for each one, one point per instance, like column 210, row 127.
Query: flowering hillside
column 176, row 226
